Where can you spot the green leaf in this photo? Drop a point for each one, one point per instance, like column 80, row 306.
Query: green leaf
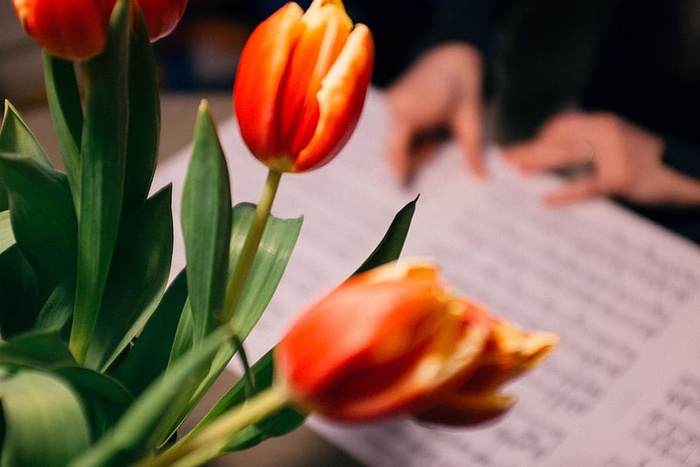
column 7, row 238
column 138, row 432
column 38, row 350
column 42, row 214
column 149, row 357
column 389, row 248
column 17, row 138
column 184, row 334
column 279, row 424
column 200, row 383
column 63, row 97
column 45, row 423
column 144, row 119
column 103, row 154
column 57, row 311
column 137, row 277
column 104, row 399
column 19, row 294
column 4, row 199
column 206, row 224
column 276, row 246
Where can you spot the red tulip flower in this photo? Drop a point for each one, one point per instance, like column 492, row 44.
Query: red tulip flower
column 77, row 29
column 72, row 29
column 396, row 340
column 301, row 84
column 161, row 16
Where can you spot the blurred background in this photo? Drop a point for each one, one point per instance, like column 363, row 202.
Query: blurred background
column 201, row 54
column 21, row 78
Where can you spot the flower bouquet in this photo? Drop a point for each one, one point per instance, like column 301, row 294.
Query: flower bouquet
column 102, row 357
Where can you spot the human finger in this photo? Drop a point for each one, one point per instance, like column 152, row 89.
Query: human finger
column 399, row 150
column 410, row 148
column 575, row 190
column 467, row 128
column 544, row 154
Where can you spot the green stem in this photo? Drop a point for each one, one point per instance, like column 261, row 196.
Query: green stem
column 248, row 376
column 210, row 441
column 250, row 247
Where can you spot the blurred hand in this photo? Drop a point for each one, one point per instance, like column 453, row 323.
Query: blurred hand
column 623, row 160
column 439, row 95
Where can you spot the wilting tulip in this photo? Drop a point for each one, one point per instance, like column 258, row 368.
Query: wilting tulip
column 301, row 84
column 508, row 353
column 396, row 340
column 77, row 29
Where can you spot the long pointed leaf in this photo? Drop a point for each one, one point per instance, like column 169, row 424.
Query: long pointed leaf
column 57, row 310
column 390, row 246
column 276, row 247
column 7, row 238
column 278, row 424
column 18, row 293
column 16, row 137
column 37, row 350
column 103, row 153
column 137, row 432
column 144, row 119
column 103, row 398
column 206, row 224
column 192, row 393
column 43, row 218
column 45, row 423
column 149, row 357
column 137, row 277
column 63, row 97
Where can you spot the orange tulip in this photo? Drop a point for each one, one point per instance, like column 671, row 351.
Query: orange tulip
column 301, row 84
column 72, row 29
column 161, row 16
column 508, row 353
column 396, row 340
column 77, row 29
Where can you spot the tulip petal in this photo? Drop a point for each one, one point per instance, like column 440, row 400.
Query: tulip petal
column 338, row 333
column 72, row 29
column 161, row 16
column 261, row 67
column 340, row 100
column 407, row 387
column 466, row 409
column 327, row 28
column 509, row 353
column 384, row 341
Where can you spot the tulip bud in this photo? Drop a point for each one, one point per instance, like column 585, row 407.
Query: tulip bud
column 71, row 29
column 161, row 16
column 301, row 83
column 77, row 29
column 396, row 340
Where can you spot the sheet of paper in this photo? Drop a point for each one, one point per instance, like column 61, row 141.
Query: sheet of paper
column 623, row 387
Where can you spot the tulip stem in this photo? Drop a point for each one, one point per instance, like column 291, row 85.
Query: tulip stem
column 211, row 440
column 248, row 376
column 250, row 246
